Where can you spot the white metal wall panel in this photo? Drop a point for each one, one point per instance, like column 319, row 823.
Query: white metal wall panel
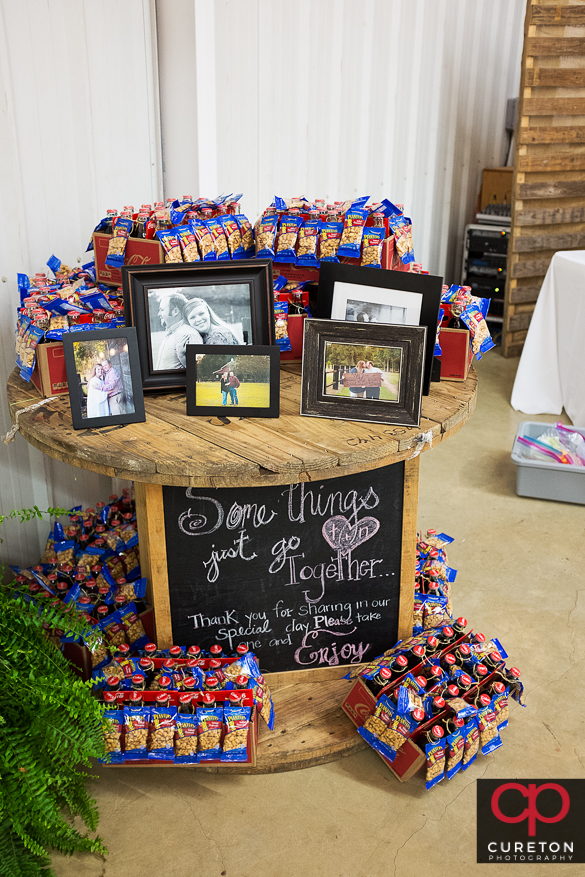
column 334, row 98
column 79, row 133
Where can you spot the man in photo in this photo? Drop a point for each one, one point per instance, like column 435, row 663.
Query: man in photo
column 178, row 333
column 233, row 384
column 113, row 387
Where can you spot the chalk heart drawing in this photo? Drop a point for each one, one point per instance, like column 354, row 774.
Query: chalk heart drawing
column 344, row 537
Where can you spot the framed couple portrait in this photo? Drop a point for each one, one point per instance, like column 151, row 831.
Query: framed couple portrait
column 233, row 381
column 360, row 371
column 103, row 376
column 371, row 296
column 208, row 304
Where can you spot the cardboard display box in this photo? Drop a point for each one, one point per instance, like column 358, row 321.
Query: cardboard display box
column 138, row 252
column 496, row 186
column 50, row 375
column 456, row 354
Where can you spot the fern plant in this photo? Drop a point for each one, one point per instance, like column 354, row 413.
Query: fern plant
column 49, row 731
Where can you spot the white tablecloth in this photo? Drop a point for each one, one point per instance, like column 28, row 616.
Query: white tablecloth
column 551, row 374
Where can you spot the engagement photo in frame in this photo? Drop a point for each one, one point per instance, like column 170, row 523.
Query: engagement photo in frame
column 363, row 371
column 207, row 303
column 240, row 381
column 374, row 295
column 103, row 374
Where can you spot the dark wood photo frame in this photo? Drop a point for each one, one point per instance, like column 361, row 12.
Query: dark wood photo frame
column 428, row 285
column 104, row 378
column 265, row 394
column 246, row 305
column 369, row 396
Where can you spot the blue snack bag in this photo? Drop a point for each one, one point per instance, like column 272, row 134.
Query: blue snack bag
column 500, row 704
column 136, row 723
column 435, row 754
column 28, row 351
column 186, row 739
column 163, row 721
column 454, row 751
column 95, row 299
column 285, row 250
column 402, row 228
column 112, row 727
column 489, row 738
column 204, row 239
column 470, row 743
column 353, row 230
column 117, row 244
column 237, row 725
column 265, row 237
column 372, row 243
column 233, row 236
column 247, row 233
column 209, row 731
column 136, row 635
column 329, row 240
column 23, row 286
column 279, row 283
column 281, row 325
column 54, row 264
column 308, row 243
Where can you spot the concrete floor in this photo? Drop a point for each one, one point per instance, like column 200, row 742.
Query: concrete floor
column 520, row 579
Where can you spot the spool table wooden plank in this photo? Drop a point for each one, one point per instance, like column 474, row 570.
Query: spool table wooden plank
column 173, row 449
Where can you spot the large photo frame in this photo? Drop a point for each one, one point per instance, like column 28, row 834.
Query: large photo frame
column 208, row 303
column 226, row 381
column 374, row 296
column 103, row 375
column 363, row 371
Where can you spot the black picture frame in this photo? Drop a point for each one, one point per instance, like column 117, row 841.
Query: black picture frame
column 428, row 285
column 268, row 357
column 143, row 281
column 320, row 339
column 123, row 358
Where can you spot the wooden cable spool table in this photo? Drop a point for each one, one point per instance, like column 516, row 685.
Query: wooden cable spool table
column 171, row 449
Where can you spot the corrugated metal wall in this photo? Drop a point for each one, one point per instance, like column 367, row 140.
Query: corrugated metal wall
column 334, row 98
column 79, row 133
column 328, row 98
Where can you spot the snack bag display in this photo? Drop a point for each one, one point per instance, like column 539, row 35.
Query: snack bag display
column 117, row 243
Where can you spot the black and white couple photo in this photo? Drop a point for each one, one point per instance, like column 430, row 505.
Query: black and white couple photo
column 196, row 315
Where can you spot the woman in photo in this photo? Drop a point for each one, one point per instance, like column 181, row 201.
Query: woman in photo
column 97, row 393
column 224, row 385
column 357, row 392
column 212, row 329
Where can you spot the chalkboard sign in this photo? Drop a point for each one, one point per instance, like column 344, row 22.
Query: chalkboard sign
column 308, row 574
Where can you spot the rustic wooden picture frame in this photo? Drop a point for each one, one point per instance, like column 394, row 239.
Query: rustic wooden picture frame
column 410, row 340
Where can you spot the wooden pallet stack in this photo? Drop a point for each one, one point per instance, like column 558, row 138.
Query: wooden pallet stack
column 548, row 194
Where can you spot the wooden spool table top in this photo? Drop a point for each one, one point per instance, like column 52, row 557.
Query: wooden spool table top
column 173, row 449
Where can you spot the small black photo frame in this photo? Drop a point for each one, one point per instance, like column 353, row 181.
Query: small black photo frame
column 103, row 374
column 228, row 381
column 209, row 303
column 363, row 371
column 374, row 295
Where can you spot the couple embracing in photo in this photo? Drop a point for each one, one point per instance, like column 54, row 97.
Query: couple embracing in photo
column 104, row 390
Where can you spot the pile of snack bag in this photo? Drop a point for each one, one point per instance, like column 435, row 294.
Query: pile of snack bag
column 91, row 567
column 559, row 443
column 445, row 689
column 69, row 302
column 175, row 705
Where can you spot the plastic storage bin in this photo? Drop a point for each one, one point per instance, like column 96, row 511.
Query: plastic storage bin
column 546, row 480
